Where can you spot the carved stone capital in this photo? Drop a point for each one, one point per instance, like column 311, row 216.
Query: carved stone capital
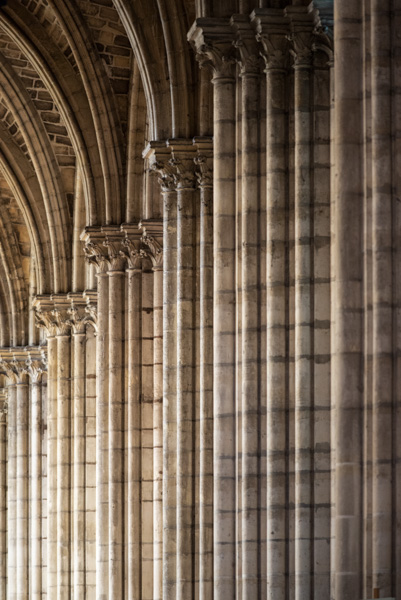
column 95, row 252
column 3, row 406
column 18, row 363
column 113, row 242
column 132, row 252
column 245, row 41
column 35, row 368
column 204, row 162
column 303, row 23
column 272, row 30
column 152, row 247
column 212, row 40
column 158, row 155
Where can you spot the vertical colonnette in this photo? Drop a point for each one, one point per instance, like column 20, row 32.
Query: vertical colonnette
column 212, row 40
column 24, row 532
column 133, row 467
column 250, row 73
column 302, row 24
column 204, row 161
column 159, row 156
column 347, row 297
column 103, row 247
column 273, row 29
column 58, row 315
column 152, row 240
column 3, row 492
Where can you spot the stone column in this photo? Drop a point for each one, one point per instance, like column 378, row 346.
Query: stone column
column 212, row 39
column 64, row 431
column 383, row 242
column 45, row 319
column 78, row 320
column 159, row 156
column 272, row 28
column 302, row 24
column 116, row 362
column 134, row 470
column 204, row 160
column 3, row 492
column 151, row 239
column 35, row 367
column 96, row 255
column 19, row 455
column 11, row 485
column 250, row 71
column 347, row 297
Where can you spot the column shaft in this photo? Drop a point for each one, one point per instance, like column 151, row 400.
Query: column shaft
column 116, row 434
column 224, row 312
column 206, row 396
column 185, row 390
column 303, row 334
column 158, row 434
column 347, row 298
column 169, row 394
column 79, row 418
column 134, row 433
column 36, row 489
column 382, row 301
column 63, row 466
column 52, row 468
column 102, row 439
column 3, row 496
column 277, row 337
column 250, row 336
column 12, row 494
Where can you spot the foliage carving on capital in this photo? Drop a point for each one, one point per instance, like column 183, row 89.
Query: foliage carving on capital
column 275, row 50
column 35, row 368
column 115, row 258
column 132, row 254
column 3, row 406
column 166, row 175
column 10, row 367
column 153, row 250
column 62, row 320
column 204, row 173
column 184, row 172
column 302, row 49
column 96, row 255
column 245, row 42
column 44, row 319
column 221, row 58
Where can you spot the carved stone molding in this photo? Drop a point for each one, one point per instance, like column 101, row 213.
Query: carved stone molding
column 204, row 162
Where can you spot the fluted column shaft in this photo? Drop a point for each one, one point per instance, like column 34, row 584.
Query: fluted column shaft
column 63, row 465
